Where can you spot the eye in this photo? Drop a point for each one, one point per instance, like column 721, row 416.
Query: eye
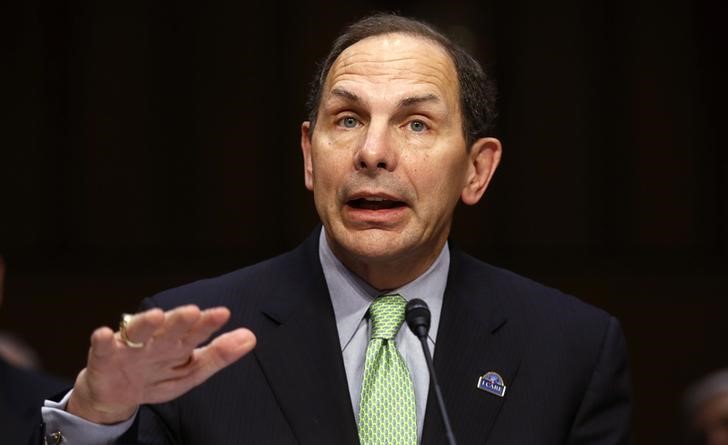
column 348, row 122
column 417, row 126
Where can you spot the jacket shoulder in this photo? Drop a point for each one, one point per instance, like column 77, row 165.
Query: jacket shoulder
column 248, row 285
column 532, row 303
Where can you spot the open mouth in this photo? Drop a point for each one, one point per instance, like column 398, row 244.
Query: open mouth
column 375, row 204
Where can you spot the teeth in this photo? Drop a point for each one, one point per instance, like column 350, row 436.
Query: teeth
column 375, row 199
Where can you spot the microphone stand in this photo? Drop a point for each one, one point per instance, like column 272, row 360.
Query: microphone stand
column 417, row 315
column 438, row 393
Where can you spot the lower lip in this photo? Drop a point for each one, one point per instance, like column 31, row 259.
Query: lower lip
column 375, row 217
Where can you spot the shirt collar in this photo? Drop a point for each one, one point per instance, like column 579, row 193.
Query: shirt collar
column 351, row 295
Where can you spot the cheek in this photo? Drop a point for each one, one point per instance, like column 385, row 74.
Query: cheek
column 334, row 150
column 328, row 175
column 326, row 161
column 438, row 177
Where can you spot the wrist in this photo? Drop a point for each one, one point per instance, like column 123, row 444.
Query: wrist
column 82, row 407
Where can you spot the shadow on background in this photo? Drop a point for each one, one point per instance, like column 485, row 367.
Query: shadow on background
column 152, row 144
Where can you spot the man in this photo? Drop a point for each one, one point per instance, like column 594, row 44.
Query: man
column 706, row 410
column 399, row 131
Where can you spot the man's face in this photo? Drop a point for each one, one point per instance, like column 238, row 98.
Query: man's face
column 387, row 161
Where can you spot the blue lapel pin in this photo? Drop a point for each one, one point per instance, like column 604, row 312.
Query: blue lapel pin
column 493, row 383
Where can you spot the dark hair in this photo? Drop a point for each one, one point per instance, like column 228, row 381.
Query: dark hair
column 477, row 90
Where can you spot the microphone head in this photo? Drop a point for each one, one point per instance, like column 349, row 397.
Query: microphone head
column 417, row 315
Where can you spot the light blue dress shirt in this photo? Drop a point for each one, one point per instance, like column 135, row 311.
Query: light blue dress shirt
column 351, row 297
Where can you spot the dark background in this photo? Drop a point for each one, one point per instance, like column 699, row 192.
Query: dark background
column 148, row 144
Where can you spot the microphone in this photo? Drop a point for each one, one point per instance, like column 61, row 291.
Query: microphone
column 417, row 315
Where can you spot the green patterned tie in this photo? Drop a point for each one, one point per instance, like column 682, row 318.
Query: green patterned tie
column 387, row 413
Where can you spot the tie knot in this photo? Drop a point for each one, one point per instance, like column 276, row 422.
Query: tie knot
column 387, row 314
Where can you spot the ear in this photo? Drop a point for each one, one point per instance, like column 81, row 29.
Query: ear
column 306, row 149
column 483, row 159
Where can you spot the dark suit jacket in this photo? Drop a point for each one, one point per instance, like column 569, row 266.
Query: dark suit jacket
column 563, row 362
column 22, row 392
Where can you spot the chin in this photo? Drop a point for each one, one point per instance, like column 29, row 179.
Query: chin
column 373, row 244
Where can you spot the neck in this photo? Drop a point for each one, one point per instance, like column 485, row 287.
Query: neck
column 386, row 274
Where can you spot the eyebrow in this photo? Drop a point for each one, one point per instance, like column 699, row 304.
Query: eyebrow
column 406, row 102
column 414, row 100
column 340, row 92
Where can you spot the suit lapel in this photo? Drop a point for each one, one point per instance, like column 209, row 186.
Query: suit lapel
column 298, row 350
column 472, row 339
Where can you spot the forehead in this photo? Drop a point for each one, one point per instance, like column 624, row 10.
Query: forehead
column 395, row 64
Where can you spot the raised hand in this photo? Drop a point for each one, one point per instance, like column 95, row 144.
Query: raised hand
column 119, row 376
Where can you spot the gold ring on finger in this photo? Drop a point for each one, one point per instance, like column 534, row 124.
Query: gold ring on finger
column 125, row 320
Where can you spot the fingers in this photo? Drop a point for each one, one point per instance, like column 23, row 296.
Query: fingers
column 231, row 346
column 174, row 333
column 119, row 377
column 221, row 352
column 143, row 325
column 210, row 321
column 179, row 320
column 175, row 324
column 167, row 338
column 201, row 363
column 170, row 337
column 102, row 343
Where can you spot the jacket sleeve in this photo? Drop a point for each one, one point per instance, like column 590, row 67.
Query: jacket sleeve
column 604, row 416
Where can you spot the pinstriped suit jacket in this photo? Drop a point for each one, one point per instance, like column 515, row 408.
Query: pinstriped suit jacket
column 563, row 363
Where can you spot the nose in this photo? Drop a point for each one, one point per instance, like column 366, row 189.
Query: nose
column 377, row 151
